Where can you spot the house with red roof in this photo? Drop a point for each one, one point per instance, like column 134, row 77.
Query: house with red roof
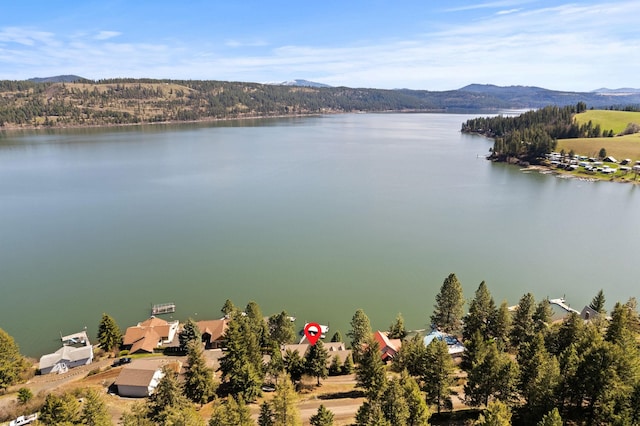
column 212, row 332
column 388, row 347
column 150, row 334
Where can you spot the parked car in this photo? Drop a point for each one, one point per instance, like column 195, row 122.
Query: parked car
column 121, row 361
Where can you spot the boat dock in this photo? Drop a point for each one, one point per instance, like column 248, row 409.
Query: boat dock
column 561, row 302
column 163, row 308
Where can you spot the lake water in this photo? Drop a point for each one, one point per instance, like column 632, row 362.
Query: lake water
column 319, row 216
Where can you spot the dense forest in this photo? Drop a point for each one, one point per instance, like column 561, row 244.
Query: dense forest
column 61, row 102
column 534, row 133
column 519, row 367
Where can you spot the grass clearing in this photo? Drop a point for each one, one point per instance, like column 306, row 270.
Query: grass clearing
column 620, row 147
column 616, row 120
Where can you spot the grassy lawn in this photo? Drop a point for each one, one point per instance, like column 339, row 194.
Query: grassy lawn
column 620, row 147
column 616, row 120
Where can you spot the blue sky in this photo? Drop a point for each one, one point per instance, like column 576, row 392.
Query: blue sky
column 420, row 44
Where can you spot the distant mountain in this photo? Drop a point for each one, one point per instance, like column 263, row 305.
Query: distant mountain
column 57, row 79
column 536, row 97
column 623, row 90
column 303, row 83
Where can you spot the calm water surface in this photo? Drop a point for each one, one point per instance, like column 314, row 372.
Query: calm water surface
column 319, row 216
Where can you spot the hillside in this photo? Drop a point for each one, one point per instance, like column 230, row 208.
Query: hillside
column 615, row 120
column 73, row 101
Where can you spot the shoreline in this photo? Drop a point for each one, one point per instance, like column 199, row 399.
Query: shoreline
column 563, row 174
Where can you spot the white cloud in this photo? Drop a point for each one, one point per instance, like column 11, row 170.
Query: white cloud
column 105, row 35
column 507, row 12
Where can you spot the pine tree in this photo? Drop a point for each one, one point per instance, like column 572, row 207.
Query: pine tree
column 109, row 336
column 185, row 416
column 335, row 368
column 397, row 329
column 285, row 409
column 370, row 371
column 447, row 314
column 137, row 415
column 438, row 377
column 257, row 323
column 598, row 302
column 275, row 367
column 228, row 308
column 230, row 412
column 266, row 415
column 94, row 410
column 418, row 409
column 190, row 333
column 496, row 414
column 552, row 418
column 370, row 414
column 348, row 367
column 316, row 361
column 337, row 337
column 199, row 384
column 294, row 365
column 500, row 326
column 60, row 409
column 281, row 328
column 323, row 417
column 495, row 376
column 542, row 315
column 523, row 328
column 410, row 357
column 360, row 331
column 482, row 311
column 168, row 395
column 539, row 376
column 394, row 404
column 12, row 364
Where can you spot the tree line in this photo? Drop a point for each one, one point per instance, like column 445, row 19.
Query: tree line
column 519, row 367
column 533, row 134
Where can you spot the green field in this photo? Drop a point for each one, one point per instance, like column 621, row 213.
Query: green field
column 620, row 147
column 616, row 120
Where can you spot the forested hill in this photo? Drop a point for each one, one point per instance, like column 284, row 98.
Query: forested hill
column 41, row 102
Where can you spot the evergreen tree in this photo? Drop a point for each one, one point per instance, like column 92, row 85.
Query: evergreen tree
column 438, row 374
column 12, row 364
column 285, row 409
column 294, row 365
column 447, row 314
column 275, row 367
column 316, row 361
column 199, row 385
column 397, row 329
column 266, row 415
column 137, row 415
column 109, row 336
column 394, row 404
column 475, row 350
column 337, row 337
column 24, row 395
column 190, row 333
column 494, row 376
column 482, row 311
column 228, row 308
column 552, row 418
column 500, row 326
column 335, row 369
column 281, row 328
column 168, row 395
column 360, row 331
column 370, row 414
column 230, row 412
column 94, row 410
column 370, row 372
column 418, row 409
column 410, row 357
column 496, row 414
column 522, row 328
column 185, row 416
column 569, row 333
column 539, row 376
column 257, row 323
column 241, row 365
column 323, row 417
column 348, row 367
column 598, row 302
column 618, row 327
column 542, row 315
column 60, row 409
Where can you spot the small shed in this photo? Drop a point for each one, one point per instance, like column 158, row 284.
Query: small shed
column 610, row 159
column 138, row 382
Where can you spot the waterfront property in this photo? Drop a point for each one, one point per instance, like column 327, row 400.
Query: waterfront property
column 76, row 350
column 454, row 346
column 149, row 335
column 212, row 332
column 388, row 347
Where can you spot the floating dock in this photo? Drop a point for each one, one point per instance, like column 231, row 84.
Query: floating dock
column 163, row 308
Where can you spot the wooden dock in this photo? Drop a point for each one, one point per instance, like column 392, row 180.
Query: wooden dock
column 163, row 308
